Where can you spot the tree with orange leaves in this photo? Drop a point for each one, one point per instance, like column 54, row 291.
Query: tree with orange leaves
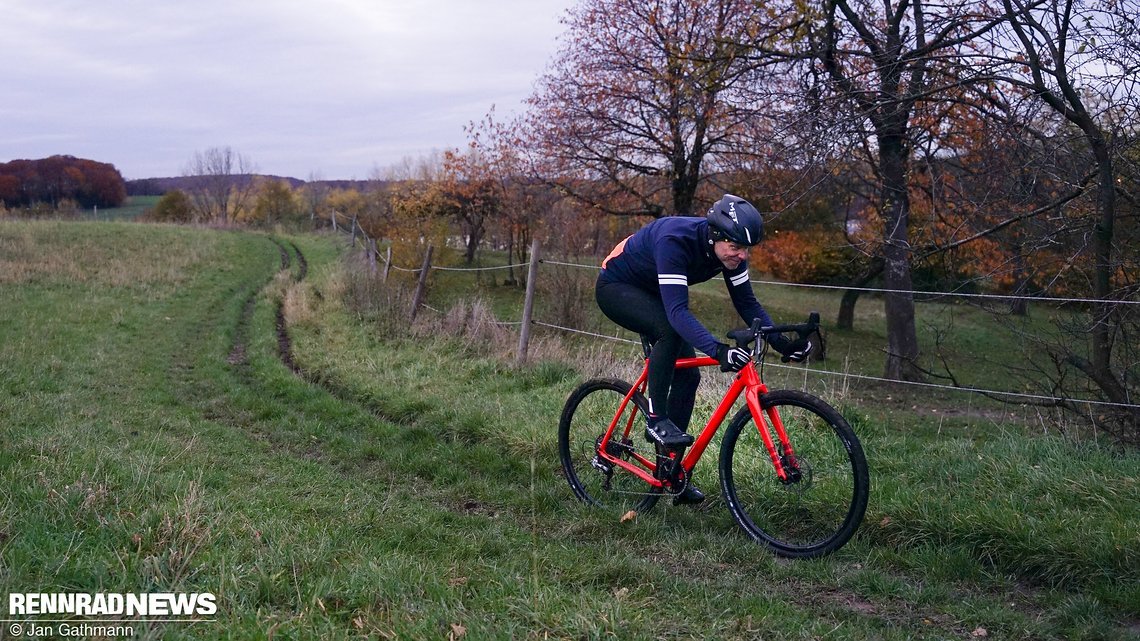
column 1078, row 59
column 472, row 195
column 496, row 146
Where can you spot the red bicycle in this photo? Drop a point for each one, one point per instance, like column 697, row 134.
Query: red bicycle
column 792, row 470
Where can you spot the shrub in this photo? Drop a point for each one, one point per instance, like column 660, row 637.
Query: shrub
column 811, row 256
column 566, row 295
column 173, row 207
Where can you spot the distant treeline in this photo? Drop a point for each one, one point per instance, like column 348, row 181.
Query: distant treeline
column 161, row 186
column 61, row 178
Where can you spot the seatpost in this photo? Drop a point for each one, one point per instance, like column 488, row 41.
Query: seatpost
column 646, row 345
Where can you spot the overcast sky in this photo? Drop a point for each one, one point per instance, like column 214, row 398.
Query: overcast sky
column 333, row 87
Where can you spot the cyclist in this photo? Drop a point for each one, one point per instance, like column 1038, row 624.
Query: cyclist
column 644, row 287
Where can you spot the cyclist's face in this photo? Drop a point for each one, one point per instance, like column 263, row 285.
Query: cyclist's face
column 730, row 254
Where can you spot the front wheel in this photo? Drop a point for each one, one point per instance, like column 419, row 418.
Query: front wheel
column 585, row 418
column 817, row 509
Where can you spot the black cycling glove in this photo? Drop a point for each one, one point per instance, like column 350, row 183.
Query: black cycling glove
column 796, row 351
column 732, row 359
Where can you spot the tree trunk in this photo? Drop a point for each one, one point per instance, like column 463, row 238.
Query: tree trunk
column 469, row 253
column 510, row 255
column 684, row 193
column 1020, row 306
column 474, row 237
column 846, row 318
column 1103, row 373
column 902, row 339
column 686, row 177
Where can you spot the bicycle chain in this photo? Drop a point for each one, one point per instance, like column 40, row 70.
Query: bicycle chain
column 684, row 483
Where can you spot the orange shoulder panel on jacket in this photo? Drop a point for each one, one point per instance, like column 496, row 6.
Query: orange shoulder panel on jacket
column 616, row 252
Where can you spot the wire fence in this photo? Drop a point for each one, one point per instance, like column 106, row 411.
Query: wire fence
column 929, row 295
column 373, row 253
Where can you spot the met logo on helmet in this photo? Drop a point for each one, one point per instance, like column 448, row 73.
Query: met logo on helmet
column 732, row 213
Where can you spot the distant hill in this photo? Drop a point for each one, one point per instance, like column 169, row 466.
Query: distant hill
column 159, row 186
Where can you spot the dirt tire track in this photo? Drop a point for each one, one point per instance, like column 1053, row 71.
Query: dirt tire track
column 284, row 343
column 238, row 355
column 238, row 352
column 285, row 353
column 285, row 260
column 302, row 263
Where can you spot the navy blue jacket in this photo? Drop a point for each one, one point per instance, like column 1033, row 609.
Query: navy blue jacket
column 668, row 255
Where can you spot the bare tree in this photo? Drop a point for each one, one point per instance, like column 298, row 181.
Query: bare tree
column 316, row 193
column 222, row 184
column 521, row 198
column 1080, row 58
column 640, row 94
column 882, row 63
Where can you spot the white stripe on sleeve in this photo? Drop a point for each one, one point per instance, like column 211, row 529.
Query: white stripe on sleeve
column 739, row 279
column 673, row 279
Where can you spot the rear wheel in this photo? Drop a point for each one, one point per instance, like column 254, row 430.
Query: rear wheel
column 818, row 510
column 585, row 419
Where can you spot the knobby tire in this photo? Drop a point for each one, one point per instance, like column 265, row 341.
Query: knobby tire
column 814, row 516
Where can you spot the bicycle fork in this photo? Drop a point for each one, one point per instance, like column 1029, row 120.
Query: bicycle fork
column 780, row 450
column 784, row 457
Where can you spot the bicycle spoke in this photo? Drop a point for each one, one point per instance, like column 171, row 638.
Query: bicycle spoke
column 585, row 419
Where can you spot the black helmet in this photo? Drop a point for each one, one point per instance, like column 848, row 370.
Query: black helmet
column 734, row 219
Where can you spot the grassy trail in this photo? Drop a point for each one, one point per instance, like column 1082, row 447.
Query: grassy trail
column 155, row 441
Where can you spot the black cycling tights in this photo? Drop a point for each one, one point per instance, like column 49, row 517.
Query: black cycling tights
column 643, row 312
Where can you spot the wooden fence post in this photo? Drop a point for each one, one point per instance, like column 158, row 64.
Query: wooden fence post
column 333, row 217
column 355, row 225
column 528, row 303
column 372, row 256
column 387, row 263
column 422, row 284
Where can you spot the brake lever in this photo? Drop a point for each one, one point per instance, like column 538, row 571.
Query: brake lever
column 809, row 328
column 742, row 336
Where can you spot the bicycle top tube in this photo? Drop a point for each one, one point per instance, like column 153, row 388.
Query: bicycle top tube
column 681, row 363
column 696, row 361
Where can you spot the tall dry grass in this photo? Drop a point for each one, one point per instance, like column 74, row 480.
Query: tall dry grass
column 100, row 254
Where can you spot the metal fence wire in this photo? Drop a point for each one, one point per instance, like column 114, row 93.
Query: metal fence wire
column 353, row 229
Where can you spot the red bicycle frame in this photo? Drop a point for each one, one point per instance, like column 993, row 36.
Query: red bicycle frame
column 747, row 382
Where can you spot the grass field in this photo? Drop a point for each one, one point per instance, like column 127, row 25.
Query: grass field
column 133, row 208
column 404, row 484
